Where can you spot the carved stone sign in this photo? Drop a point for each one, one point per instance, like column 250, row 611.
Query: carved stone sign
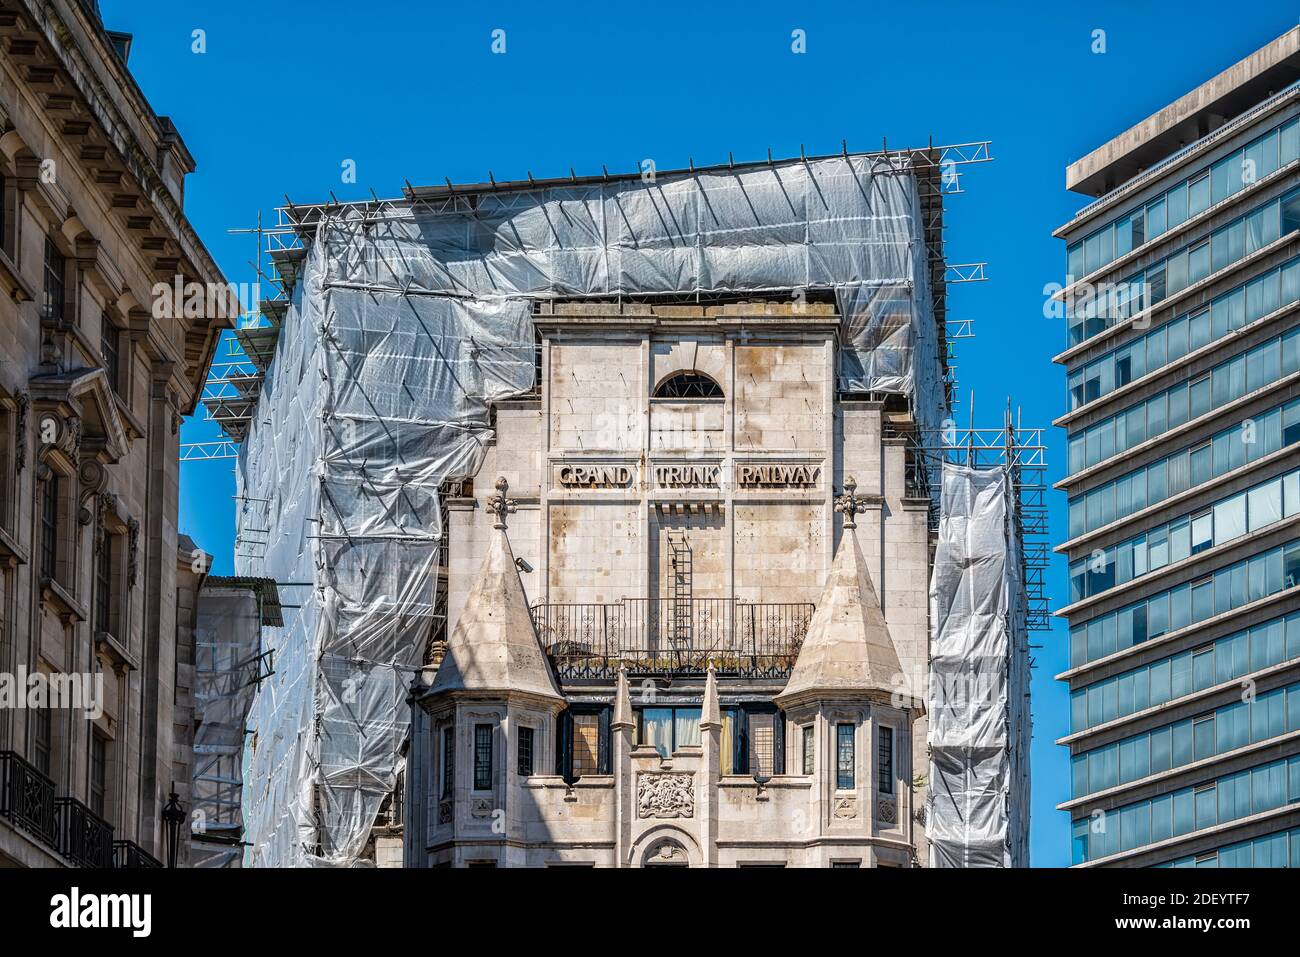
column 781, row 476
column 665, row 795
column 687, row 476
column 595, row 476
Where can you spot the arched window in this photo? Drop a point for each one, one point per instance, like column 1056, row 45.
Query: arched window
column 688, row 385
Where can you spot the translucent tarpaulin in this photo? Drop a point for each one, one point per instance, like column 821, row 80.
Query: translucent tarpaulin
column 979, row 678
column 226, row 647
column 405, row 325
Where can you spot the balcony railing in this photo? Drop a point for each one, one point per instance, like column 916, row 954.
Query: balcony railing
column 85, row 838
column 666, row 636
column 27, row 798
column 63, row 824
column 131, row 854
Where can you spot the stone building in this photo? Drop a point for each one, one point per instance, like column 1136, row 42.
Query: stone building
column 686, row 652
column 675, row 377
column 96, row 585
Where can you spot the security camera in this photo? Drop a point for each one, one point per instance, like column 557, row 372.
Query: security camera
column 522, row 565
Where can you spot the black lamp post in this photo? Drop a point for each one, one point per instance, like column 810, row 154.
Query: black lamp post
column 173, row 815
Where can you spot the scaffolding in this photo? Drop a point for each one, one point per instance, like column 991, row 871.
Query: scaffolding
column 364, row 388
column 1022, row 452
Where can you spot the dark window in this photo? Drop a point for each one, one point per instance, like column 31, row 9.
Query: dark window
column 104, row 585
column 98, row 773
column 448, row 760
column 55, row 269
column 688, row 385
column 50, row 526
column 586, row 745
column 755, row 739
column 42, row 740
column 885, row 759
column 108, row 346
column 846, row 863
column 762, row 744
column 844, row 757
column 482, row 757
column 4, row 213
column 583, row 743
column 809, row 754
column 525, row 751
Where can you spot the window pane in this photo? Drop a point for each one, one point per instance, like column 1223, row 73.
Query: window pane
column 844, row 776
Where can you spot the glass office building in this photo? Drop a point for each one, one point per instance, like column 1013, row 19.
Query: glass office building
column 1182, row 358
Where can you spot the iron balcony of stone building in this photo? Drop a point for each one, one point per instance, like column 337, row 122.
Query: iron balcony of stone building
column 27, row 798
column 85, row 838
column 129, row 854
column 672, row 636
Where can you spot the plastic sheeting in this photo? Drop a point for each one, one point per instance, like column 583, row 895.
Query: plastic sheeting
column 227, row 644
column 851, row 224
column 375, row 398
column 403, row 328
column 979, row 677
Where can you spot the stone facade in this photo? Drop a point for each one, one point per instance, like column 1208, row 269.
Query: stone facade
column 674, row 481
column 95, row 581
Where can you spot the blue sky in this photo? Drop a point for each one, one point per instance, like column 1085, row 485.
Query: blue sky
column 282, row 97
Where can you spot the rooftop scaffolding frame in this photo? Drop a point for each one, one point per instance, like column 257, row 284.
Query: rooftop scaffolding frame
column 1023, row 451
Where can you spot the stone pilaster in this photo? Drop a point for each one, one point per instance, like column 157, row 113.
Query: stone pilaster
column 621, row 728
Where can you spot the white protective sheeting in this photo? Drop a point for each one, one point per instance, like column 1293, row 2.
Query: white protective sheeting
column 852, row 225
column 403, row 328
column 227, row 641
column 979, row 677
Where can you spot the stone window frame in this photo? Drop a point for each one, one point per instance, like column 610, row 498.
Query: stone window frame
column 808, row 742
column 67, row 303
column 853, row 725
column 58, row 459
column 13, row 419
column 528, row 732
column 886, row 784
column 481, row 770
column 113, row 546
column 447, row 761
column 60, row 549
column 105, row 765
column 11, row 204
column 119, row 384
column 692, row 378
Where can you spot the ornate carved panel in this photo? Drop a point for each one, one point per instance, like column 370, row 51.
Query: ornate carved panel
column 886, row 811
column 665, row 795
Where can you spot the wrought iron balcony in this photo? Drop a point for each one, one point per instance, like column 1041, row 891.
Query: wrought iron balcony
column 131, row 854
column 672, row 636
column 85, row 838
column 27, row 798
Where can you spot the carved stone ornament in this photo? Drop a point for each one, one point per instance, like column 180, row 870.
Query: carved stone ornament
column 20, row 454
column 72, row 436
column 132, row 553
column 481, row 808
column 845, row 808
column 665, row 795
column 444, row 812
column 107, row 505
column 93, row 477
column 666, row 851
column 886, row 811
